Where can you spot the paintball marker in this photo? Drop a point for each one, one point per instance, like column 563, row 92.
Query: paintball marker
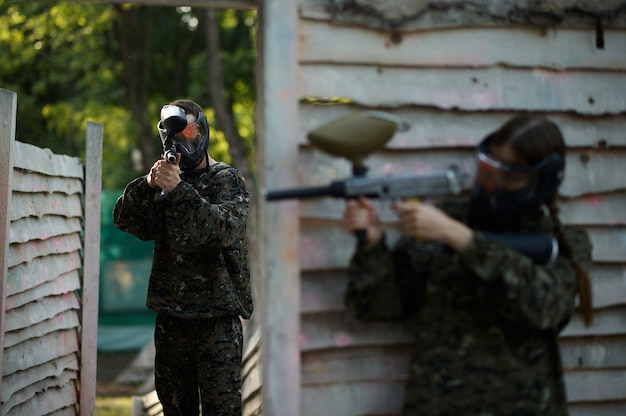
column 354, row 137
column 173, row 121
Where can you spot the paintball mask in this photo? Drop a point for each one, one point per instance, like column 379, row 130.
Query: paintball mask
column 503, row 192
column 190, row 140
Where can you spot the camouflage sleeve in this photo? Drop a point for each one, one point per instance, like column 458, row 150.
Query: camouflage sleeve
column 136, row 212
column 219, row 221
column 525, row 294
column 382, row 284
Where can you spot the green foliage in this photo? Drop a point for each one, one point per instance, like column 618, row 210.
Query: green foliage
column 73, row 62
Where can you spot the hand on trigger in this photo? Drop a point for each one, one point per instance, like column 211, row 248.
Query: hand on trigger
column 360, row 214
column 427, row 222
column 166, row 175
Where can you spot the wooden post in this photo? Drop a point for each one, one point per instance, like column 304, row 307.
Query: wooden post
column 91, row 269
column 277, row 124
column 8, row 113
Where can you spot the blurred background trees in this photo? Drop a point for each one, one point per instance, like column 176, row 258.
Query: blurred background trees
column 73, row 62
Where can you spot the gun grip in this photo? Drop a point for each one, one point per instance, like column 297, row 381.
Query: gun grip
column 361, row 235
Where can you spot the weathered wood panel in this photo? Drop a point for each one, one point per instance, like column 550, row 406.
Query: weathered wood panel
column 251, row 375
column 324, row 245
column 369, row 397
column 64, row 320
column 27, row 181
column 431, row 127
column 91, row 268
column 30, row 250
column 322, row 331
column 323, row 291
column 43, row 307
column 39, row 204
column 501, row 88
column 35, row 159
column 404, row 15
column 534, row 47
column 277, row 126
column 52, row 369
column 598, row 385
column 335, row 330
column 353, row 364
column 60, row 393
column 597, row 409
column 453, row 86
column 8, row 115
column 593, row 352
column 29, row 275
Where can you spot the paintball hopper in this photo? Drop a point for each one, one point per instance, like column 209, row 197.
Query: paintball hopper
column 355, row 136
column 173, row 119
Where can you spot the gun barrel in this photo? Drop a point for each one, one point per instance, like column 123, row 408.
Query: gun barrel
column 448, row 182
column 310, row 192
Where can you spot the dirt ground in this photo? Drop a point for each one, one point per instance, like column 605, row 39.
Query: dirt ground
column 109, row 366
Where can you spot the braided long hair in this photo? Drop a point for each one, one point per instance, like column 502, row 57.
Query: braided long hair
column 534, row 138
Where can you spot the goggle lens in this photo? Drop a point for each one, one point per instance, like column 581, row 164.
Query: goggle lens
column 190, row 132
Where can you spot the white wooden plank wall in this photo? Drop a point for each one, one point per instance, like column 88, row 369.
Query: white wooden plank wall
column 453, row 86
column 42, row 338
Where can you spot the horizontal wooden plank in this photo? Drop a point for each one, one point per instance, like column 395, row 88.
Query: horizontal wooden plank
column 349, row 399
column 31, row 228
column 495, row 88
column 61, row 285
column 431, row 127
column 606, row 322
column 346, row 365
column 41, row 204
column 253, row 405
column 338, row 330
column 30, row 353
column 589, row 353
column 596, row 409
column 424, row 15
column 26, row 181
column 323, row 291
column 40, row 311
column 252, row 382
column 30, row 250
column 69, row 319
column 35, row 159
column 598, row 385
column 46, row 397
column 609, row 243
column 470, row 47
column 587, row 171
column 594, row 209
column 335, row 329
column 586, row 210
column 42, row 269
column 22, row 379
column 325, row 245
column 608, row 284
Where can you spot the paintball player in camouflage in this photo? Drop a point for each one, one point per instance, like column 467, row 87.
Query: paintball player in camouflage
column 486, row 318
column 200, row 280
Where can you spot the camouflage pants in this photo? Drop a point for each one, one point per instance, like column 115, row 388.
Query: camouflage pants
column 198, row 359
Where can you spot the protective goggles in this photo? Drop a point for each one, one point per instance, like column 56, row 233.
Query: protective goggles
column 190, row 137
column 494, row 175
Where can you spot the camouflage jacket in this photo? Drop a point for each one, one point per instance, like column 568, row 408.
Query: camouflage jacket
column 200, row 262
column 486, row 320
